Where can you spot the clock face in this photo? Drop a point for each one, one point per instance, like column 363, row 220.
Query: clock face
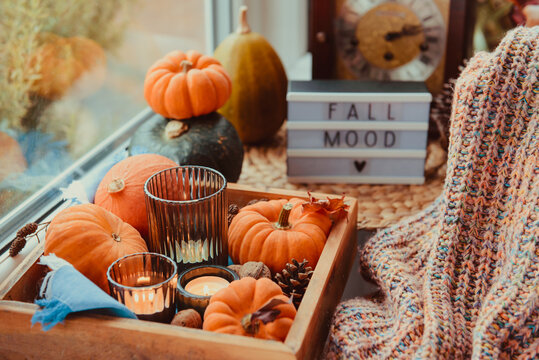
column 390, row 40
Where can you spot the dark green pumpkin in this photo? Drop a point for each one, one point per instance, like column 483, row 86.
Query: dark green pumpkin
column 208, row 140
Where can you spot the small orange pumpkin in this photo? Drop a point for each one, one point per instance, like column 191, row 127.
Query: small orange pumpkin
column 183, row 85
column 91, row 238
column 231, row 310
column 274, row 233
column 65, row 62
column 122, row 189
column 11, row 156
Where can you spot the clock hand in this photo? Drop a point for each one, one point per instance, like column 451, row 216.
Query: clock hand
column 407, row 30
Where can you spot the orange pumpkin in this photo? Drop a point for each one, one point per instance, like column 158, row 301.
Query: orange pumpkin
column 66, row 62
column 91, row 238
column 183, row 85
column 270, row 232
column 231, row 310
column 122, row 189
column 11, row 156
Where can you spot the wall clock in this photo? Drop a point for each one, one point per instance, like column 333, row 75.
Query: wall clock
column 390, row 40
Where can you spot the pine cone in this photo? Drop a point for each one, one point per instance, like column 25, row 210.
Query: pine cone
column 254, row 201
column 294, row 279
column 233, row 210
column 440, row 111
column 27, row 229
column 17, row 245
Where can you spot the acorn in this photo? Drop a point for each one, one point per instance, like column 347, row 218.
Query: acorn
column 235, row 267
column 188, row 318
column 254, row 269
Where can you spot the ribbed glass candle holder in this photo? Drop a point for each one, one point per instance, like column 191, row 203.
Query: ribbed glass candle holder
column 187, row 215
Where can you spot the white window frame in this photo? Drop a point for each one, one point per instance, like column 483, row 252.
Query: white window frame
column 283, row 23
column 287, row 32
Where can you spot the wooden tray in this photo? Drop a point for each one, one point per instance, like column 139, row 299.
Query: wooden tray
column 92, row 336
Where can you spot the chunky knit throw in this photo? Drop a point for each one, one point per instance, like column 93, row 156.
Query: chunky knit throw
column 461, row 279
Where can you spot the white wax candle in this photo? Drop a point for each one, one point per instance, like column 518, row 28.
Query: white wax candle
column 206, row 285
column 143, row 281
column 144, row 301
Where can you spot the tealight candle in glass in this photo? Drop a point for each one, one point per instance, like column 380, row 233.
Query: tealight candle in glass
column 146, row 284
column 206, row 285
column 197, row 285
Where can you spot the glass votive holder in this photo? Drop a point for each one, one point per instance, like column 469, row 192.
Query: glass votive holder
column 146, row 284
column 197, row 285
column 187, row 215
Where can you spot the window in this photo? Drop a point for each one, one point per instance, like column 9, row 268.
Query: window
column 71, row 82
column 71, row 74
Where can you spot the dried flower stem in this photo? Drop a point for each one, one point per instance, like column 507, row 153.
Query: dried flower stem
column 21, row 25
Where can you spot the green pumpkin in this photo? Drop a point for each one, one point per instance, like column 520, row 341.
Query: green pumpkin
column 208, row 140
column 257, row 105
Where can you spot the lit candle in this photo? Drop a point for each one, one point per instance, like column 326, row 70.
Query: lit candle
column 144, row 281
column 147, row 291
column 197, row 285
column 145, row 300
column 206, row 285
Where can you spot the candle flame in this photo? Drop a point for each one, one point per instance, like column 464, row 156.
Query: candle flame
column 206, row 290
column 143, row 281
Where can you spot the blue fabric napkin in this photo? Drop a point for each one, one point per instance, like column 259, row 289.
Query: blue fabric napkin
column 65, row 291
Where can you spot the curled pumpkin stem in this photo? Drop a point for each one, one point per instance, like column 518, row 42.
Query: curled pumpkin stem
column 115, row 186
column 175, row 128
column 265, row 314
column 282, row 223
column 116, row 237
column 186, row 65
column 243, row 26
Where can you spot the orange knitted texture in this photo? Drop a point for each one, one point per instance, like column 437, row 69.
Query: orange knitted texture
column 460, row 280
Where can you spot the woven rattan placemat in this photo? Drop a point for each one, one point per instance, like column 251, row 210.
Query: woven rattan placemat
column 264, row 167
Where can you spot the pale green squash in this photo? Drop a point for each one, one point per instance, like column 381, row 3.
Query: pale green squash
column 257, row 106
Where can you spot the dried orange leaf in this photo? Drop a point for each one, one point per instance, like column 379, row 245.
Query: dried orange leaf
column 333, row 208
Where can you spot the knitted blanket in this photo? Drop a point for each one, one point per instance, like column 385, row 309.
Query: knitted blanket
column 461, row 279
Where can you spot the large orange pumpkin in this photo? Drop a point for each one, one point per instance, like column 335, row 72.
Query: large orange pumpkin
column 91, row 238
column 67, row 62
column 183, row 85
column 11, row 156
column 122, row 189
column 230, row 310
column 273, row 233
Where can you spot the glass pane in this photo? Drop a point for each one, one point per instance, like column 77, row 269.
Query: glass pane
column 72, row 72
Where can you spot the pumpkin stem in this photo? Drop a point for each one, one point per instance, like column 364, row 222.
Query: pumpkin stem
column 115, row 186
column 175, row 128
column 265, row 314
column 250, row 325
column 116, row 237
column 243, row 26
column 282, row 223
column 186, row 65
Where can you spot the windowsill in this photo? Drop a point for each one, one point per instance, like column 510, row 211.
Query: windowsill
column 43, row 205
